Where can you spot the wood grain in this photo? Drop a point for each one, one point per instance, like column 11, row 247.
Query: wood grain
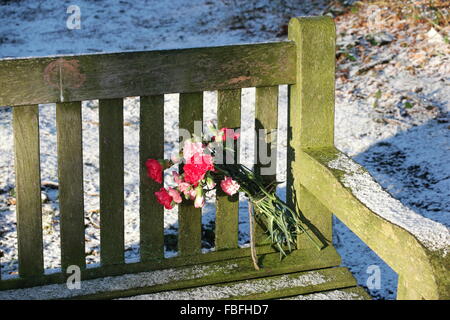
column 266, row 123
column 189, row 217
column 28, row 190
column 151, row 145
column 117, row 75
column 111, row 181
column 311, row 115
column 70, row 175
column 227, row 207
column 302, row 259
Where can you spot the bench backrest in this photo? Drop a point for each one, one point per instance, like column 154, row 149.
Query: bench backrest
column 305, row 63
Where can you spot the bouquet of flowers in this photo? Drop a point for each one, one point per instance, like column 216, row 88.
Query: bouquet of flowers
column 202, row 170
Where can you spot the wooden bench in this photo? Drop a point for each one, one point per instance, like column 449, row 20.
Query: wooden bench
column 321, row 181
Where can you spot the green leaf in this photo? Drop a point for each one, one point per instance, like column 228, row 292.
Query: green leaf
column 378, row 94
column 408, row 105
column 350, row 57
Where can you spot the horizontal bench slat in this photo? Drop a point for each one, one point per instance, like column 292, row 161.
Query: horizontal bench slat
column 117, row 75
column 260, row 288
column 304, row 260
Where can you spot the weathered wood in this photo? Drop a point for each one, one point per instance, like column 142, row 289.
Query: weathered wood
column 105, row 76
column 266, row 124
column 70, row 175
column 220, row 272
column 28, row 190
column 312, row 186
column 317, row 218
column 189, row 217
column 111, row 181
column 22, row 82
column 227, row 207
column 422, row 271
column 311, row 111
column 352, row 293
column 183, row 276
column 272, row 287
column 310, row 259
column 151, row 145
column 311, row 98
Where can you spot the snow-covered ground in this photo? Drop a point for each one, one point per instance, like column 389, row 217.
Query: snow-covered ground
column 392, row 118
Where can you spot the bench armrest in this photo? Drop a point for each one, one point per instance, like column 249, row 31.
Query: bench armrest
column 417, row 248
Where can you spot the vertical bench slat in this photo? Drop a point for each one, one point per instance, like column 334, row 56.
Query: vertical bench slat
column 266, row 118
column 70, row 173
column 151, row 145
column 111, row 181
column 28, row 190
column 190, row 218
column 311, row 114
column 227, row 207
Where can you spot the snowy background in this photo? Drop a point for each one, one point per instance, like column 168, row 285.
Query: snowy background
column 392, row 105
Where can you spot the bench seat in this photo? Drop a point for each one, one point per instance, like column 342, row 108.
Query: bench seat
column 302, row 272
column 306, row 285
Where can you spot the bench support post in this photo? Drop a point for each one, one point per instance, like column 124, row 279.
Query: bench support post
column 311, row 113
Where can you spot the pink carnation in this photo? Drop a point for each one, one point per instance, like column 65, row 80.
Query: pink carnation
column 175, row 195
column 199, row 198
column 199, row 201
column 175, row 158
column 192, row 194
column 184, row 187
column 191, row 148
column 176, row 177
column 229, row 186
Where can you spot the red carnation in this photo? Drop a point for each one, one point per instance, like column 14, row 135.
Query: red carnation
column 193, row 174
column 164, row 198
column 196, row 168
column 154, row 170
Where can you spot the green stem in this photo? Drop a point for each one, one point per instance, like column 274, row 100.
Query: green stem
column 282, row 217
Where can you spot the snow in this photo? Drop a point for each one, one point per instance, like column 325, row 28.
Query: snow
column 238, row 289
column 406, row 149
column 116, row 283
column 37, row 28
column 431, row 234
